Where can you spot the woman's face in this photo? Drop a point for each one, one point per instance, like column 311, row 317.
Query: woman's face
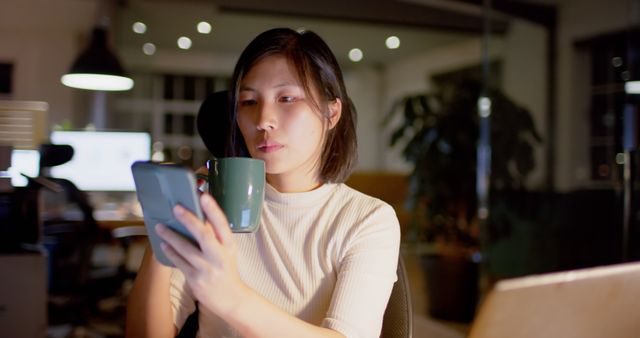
column 280, row 124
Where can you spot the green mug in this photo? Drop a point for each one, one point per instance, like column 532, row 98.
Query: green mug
column 237, row 184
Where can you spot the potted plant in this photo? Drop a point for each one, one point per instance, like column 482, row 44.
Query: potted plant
column 440, row 134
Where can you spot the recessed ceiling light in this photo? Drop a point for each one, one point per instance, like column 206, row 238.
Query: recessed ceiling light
column 616, row 61
column 149, row 48
column 184, row 42
column 204, row 27
column 392, row 42
column 355, row 55
column 139, row 27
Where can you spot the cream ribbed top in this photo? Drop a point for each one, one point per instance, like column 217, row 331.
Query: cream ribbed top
column 327, row 256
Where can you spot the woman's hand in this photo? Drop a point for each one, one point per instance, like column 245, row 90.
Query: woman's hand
column 211, row 271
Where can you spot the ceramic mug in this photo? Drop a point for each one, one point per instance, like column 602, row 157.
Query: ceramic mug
column 237, row 184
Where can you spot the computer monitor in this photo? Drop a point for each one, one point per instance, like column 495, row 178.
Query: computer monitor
column 24, row 161
column 102, row 160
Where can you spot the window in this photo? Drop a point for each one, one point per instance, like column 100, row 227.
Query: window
column 612, row 58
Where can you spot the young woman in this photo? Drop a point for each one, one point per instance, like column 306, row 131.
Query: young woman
column 323, row 261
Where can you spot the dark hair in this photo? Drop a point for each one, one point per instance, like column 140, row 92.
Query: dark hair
column 316, row 67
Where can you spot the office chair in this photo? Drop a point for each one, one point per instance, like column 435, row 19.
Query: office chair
column 127, row 269
column 70, row 243
column 214, row 123
column 398, row 316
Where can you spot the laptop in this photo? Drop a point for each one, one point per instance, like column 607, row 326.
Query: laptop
column 587, row 303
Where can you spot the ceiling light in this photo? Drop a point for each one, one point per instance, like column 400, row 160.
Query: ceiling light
column 355, row 55
column 149, row 48
column 139, row 27
column 204, row 27
column 392, row 42
column 184, row 42
column 97, row 68
column 632, row 87
column 484, row 106
column 616, row 61
column 97, row 82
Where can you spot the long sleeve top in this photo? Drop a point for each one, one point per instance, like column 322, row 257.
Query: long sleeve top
column 327, row 256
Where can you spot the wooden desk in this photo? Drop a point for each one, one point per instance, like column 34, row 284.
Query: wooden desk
column 110, row 224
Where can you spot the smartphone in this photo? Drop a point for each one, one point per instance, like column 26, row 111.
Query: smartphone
column 160, row 187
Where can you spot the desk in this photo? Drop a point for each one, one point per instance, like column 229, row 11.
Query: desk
column 111, row 224
column 109, row 219
column 129, row 246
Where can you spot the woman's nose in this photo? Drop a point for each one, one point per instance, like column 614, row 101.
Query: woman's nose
column 266, row 117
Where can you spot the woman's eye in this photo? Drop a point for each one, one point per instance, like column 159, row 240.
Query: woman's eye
column 287, row 99
column 247, row 102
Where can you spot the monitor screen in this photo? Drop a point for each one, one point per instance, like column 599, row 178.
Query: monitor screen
column 101, row 160
column 23, row 161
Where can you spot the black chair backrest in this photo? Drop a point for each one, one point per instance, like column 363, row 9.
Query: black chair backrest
column 214, row 121
column 52, row 155
column 398, row 317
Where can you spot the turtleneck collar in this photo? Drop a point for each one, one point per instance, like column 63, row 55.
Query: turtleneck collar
column 298, row 198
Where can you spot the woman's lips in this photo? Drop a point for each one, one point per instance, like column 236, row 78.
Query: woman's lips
column 269, row 147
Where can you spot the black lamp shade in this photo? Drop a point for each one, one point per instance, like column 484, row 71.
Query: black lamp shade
column 97, row 68
column 97, row 58
column 213, row 123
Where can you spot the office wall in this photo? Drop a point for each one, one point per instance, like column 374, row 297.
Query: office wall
column 42, row 38
column 178, row 62
column 525, row 81
column 364, row 85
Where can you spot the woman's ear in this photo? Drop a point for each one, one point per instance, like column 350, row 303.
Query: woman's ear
column 335, row 111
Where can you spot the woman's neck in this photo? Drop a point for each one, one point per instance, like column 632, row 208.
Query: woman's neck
column 287, row 184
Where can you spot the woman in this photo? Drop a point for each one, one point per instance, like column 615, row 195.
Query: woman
column 323, row 261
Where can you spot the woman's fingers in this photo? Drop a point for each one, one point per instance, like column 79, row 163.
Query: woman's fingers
column 174, row 256
column 200, row 230
column 217, row 218
column 179, row 250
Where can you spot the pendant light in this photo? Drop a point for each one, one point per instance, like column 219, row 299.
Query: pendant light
column 632, row 87
column 97, row 68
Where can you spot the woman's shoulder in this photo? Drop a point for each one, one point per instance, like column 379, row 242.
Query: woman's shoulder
column 350, row 197
column 345, row 191
column 362, row 216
